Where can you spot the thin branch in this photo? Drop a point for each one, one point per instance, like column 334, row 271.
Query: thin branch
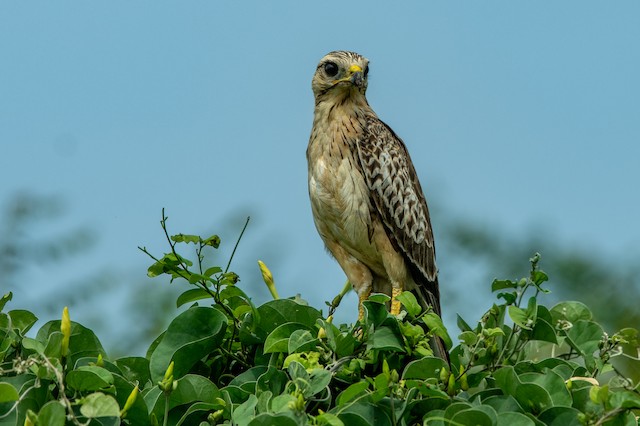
column 236, row 246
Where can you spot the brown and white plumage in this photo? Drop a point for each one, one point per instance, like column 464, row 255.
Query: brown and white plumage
column 366, row 199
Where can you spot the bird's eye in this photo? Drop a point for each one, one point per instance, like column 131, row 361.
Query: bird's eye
column 366, row 71
column 331, row 69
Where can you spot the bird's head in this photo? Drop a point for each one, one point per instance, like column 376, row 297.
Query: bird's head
column 341, row 74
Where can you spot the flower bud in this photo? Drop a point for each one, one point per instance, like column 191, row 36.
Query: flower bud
column 268, row 279
column 464, row 384
column 167, row 384
column 130, row 401
column 65, row 328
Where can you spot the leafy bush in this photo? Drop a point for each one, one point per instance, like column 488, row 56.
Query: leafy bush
column 226, row 360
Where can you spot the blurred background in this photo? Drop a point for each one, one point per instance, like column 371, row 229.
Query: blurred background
column 523, row 122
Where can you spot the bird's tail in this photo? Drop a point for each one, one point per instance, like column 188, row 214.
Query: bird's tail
column 429, row 299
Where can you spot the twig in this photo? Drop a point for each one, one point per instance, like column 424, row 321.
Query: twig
column 237, row 242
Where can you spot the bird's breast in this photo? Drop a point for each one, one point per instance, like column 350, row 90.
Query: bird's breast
column 339, row 194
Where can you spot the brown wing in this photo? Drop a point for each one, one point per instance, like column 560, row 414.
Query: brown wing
column 398, row 197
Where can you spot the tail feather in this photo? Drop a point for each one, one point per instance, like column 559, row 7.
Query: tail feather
column 428, row 299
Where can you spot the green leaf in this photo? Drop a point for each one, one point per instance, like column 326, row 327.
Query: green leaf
column 456, row 407
column 625, row 399
column 375, row 313
column 264, row 401
column 297, row 371
column 270, row 419
column 273, row 380
column 519, row 316
column 191, row 296
column 532, row 309
column 553, row 383
column 213, row 241
column 469, row 338
column 435, row 324
column 509, row 298
column 52, row 414
column 99, row 405
column 319, row 380
column 352, row 392
column 503, row 403
column 278, row 339
column 4, row 299
column 190, row 389
column 191, row 335
column 472, row 416
column 245, row 412
column 281, row 402
column 362, row 414
column 309, row 360
column 199, row 409
column 236, row 299
column 169, row 264
column 585, row 336
column 502, row 284
column 379, row 297
column 22, row 320
column 543, row 331
column 424, row 368
column 249, row 376
column 182, row 238
column 134, row 369
column 533, row 397
column 381, row 386
column 538, row 277
column 385, row 338
column 301, row 341
column 570, row 311
column 345, row 344
column 434, row 417
column 514, row 419
column 83, row 342
column 507, row 380
column 213, row 270
column 328, row 419
column 560, row 416
column 492, row 332
column 89, row 378
column 156, row 269
column 281, row 311
column 462, row 324
column 8, row 393
column 410, row 303
column 193, row 278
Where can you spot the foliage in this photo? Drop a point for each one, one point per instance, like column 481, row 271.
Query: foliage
column 226, row 360
column 580, row 272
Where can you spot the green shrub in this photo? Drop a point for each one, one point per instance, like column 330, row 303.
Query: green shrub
column 225, row 360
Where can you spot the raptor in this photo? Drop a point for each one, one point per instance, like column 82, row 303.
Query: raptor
column 367, row 202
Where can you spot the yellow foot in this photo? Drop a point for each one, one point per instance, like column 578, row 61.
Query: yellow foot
column 395, row 305
column 362, row 298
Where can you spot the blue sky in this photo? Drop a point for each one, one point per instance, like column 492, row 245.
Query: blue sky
column 517, row 114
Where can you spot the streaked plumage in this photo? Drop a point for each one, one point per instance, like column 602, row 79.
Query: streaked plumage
column 367, row 202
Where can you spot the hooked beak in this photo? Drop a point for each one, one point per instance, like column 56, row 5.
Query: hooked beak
column 354, row 76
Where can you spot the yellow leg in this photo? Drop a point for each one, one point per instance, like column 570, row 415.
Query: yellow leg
column 395, row 305
column 362, row 298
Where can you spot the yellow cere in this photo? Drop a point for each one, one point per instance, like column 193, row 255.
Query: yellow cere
column 355, row 68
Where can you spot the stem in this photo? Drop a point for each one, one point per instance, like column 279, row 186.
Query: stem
column 165, row 421
column 236, row 246
column 393, row 410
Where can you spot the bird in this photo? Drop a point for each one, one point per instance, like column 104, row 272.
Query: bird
column 367, row 202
